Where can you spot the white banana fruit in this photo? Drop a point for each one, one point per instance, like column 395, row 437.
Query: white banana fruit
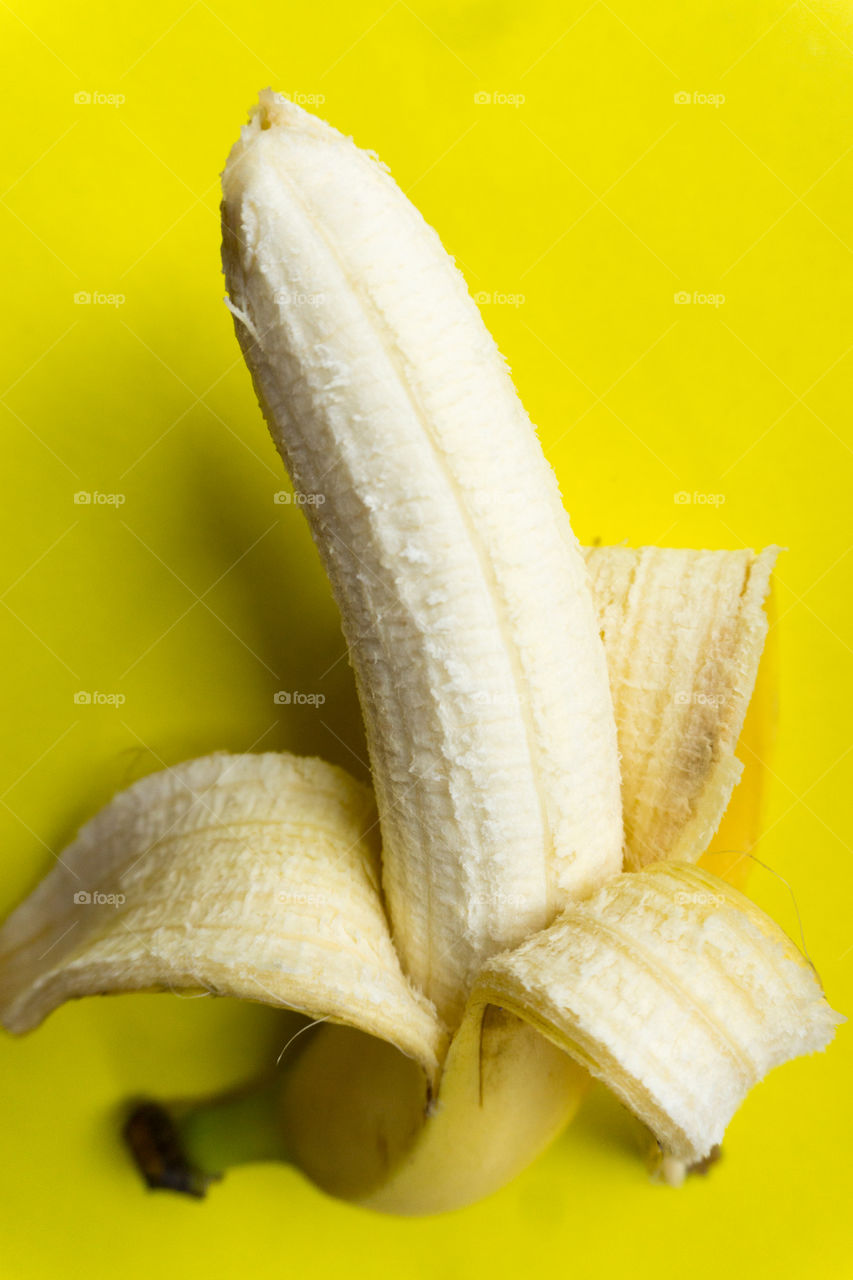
column 463, row 594
column 478, row 967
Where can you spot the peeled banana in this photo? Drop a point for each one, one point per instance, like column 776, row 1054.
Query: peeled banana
column 450, row 554
column 538, row 718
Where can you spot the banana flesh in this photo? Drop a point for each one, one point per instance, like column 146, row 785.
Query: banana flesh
column 460, row 584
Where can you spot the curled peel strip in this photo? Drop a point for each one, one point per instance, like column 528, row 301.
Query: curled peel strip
column 253, row 876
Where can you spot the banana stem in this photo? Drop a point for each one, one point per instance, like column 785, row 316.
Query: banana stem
column 184, row 1147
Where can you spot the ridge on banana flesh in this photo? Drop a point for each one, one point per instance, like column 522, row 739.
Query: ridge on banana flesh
column 460, row 584
column 683, row 633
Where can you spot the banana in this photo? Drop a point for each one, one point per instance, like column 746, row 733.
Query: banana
column 459, row 582
column 357, row 1119
column 258, row 876
column 477, row 966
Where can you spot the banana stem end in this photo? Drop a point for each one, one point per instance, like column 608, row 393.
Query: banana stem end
column 187, row 1147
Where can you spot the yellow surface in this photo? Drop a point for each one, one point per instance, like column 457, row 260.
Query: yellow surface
column 595, row 201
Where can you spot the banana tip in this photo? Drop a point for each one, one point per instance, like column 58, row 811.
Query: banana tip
column 271, row 109
column 276, row 110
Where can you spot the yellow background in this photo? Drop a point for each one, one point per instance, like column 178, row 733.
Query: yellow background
column 597, row 199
